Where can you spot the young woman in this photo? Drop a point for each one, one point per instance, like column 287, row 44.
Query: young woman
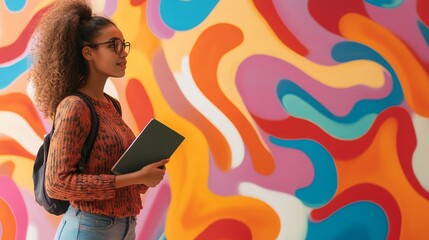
column 77, row 51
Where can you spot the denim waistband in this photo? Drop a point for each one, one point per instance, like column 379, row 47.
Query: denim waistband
column 77, row 211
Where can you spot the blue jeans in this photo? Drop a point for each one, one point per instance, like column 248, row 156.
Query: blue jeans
column 77, row 224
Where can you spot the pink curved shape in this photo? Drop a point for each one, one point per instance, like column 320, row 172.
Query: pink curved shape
column 14, row 199
column 260, row 95
column 158, row 27
column 154, row 211
column 403, row 27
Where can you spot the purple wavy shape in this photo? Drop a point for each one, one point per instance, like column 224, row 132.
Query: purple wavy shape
column 110, row 7
column 261, row 98
column 293, row 171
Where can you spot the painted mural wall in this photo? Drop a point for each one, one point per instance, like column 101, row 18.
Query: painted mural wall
column 304, row 119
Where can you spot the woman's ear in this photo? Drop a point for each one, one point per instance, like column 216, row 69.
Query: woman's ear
column 87, row 53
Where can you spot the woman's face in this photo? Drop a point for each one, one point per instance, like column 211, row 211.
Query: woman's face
column 109, row 52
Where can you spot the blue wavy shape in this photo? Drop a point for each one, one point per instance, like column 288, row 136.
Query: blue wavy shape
column 15, row 5
column 10, row 73
column 299, row 103
column 300, row 109
column 356, row 221
column 345, row 52
column 185, row 15
column 324, row 184
column 351, row 51
column 385, row 3
column 425, row 32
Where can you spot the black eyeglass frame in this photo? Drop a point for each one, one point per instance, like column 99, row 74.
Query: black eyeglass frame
column 124, row 45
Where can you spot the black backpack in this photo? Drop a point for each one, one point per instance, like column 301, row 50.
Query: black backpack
column 56, row 206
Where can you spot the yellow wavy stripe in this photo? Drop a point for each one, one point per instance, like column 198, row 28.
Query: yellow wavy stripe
column 22, row 167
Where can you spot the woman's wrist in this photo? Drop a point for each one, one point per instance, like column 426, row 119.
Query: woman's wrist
column 125, row 180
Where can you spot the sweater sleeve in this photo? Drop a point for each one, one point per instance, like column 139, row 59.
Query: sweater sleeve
column 63, row 181
column 143, row 188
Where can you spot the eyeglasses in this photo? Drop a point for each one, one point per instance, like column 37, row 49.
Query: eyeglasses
column 117, row 44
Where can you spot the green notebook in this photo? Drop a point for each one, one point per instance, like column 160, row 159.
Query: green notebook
column 154, row 143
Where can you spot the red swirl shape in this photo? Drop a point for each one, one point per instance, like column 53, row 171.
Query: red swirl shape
column 17, row 48
column 268, row 11
column 365, row 192
column 328, row 13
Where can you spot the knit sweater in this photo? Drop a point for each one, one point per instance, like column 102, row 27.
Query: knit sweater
column 93, row 190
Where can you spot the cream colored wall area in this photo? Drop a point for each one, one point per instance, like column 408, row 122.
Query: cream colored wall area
column 304, row 119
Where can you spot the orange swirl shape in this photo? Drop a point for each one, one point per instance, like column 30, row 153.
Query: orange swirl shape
column 220, row 39
column 203, row 215
column 6, row 221
column 412, row 75
column 22, row 105
column 11, row 147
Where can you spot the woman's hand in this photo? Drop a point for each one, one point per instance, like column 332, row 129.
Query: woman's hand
column 150, row 175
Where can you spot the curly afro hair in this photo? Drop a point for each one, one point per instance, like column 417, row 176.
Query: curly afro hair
column 58, row 65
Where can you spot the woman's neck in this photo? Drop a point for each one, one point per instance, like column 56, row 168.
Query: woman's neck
column 95, row 91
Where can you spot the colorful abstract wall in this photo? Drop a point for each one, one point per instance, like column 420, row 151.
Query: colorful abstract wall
column 304, row 119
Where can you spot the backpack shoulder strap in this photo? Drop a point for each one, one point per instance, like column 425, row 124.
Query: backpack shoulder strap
column 89, row 142
column 115, row 103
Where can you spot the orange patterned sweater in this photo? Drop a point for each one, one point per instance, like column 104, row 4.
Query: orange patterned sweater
column 94, row 189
